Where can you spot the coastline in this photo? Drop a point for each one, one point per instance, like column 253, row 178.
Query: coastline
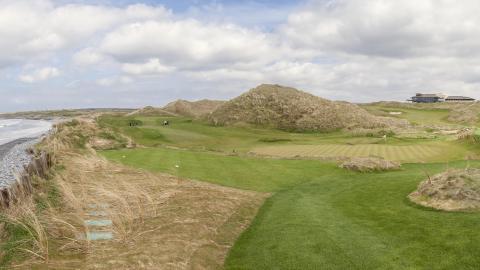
column 14, row 156
column 17, row 136
column 6, row 147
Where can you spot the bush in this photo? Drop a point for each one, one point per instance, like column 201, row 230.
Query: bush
column 451, row 190
column 369, row 164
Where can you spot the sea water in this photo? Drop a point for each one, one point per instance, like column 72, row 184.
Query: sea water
column 12, row 129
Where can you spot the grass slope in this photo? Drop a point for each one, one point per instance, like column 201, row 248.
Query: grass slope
column 192, row 134
column 323, row 217
column 319, row 216
column 265, row 175
column 357, row 221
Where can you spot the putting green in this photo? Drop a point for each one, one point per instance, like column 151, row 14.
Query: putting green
column 406, row 153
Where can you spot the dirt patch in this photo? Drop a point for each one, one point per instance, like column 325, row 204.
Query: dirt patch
column 453, row 190
column 369, row 164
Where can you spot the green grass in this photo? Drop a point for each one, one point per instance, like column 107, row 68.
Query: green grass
column 319, row 216
column 357, row 221
column 415, row 116
column 426, row 152
column 246, row 173
column 186, row 133
column 323, row 217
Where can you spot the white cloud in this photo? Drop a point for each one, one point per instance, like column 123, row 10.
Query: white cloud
column 87, row 56
column 152, row 66
column 40, row 74
column 358, row 50
column 34, row 28
column 116, row 80
column 188, row 44
column 407, row 28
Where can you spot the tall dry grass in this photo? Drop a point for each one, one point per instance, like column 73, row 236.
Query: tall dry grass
column 51, row 212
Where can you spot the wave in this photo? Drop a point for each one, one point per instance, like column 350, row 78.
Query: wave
column 12, row 129
column 9, row 122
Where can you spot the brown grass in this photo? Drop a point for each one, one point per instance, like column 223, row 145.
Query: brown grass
column 453, row 190
column 158, row 221
column 290, row 109
column 369, row 164
column 193, row 108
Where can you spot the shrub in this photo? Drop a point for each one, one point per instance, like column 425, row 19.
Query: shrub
column 369, row 164
column 451, row 190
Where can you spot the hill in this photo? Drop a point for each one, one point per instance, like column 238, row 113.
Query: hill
column 193, row 108
column 290, row 109
column 151, row 111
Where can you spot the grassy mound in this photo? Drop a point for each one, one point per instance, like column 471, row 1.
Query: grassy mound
column 151, row 111
column 452, row 190
column 193, row 108
column 83, row 134
column 290, row 109
column 369, row 164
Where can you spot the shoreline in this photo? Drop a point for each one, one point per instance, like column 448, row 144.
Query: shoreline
column 6, row 147
column 13, row 159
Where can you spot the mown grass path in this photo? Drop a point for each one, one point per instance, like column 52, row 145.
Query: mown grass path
column 409, row 153
column 323, row 217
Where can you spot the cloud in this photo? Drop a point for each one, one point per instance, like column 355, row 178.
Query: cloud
column 116, row 80
column 188, row 44
column 35, row 28
column 41, row 74
column 152, row 66
column 87, row 56
column 395, row 29
column 357, row 50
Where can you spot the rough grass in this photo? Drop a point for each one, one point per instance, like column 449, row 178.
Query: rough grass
column 293, row 110
column 369, row 164
column 452, row 190
column 172, row 222
column 192, row 108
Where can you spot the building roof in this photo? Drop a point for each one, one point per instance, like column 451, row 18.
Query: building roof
column 429, row 95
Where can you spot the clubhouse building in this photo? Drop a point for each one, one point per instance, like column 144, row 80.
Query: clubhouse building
column 433, row 98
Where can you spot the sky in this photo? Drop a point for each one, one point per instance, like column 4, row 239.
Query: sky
column 57, row 54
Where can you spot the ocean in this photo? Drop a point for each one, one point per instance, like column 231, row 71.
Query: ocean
column 12, row 129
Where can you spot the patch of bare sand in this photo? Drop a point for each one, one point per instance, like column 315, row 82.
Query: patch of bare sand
column 159, row 221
